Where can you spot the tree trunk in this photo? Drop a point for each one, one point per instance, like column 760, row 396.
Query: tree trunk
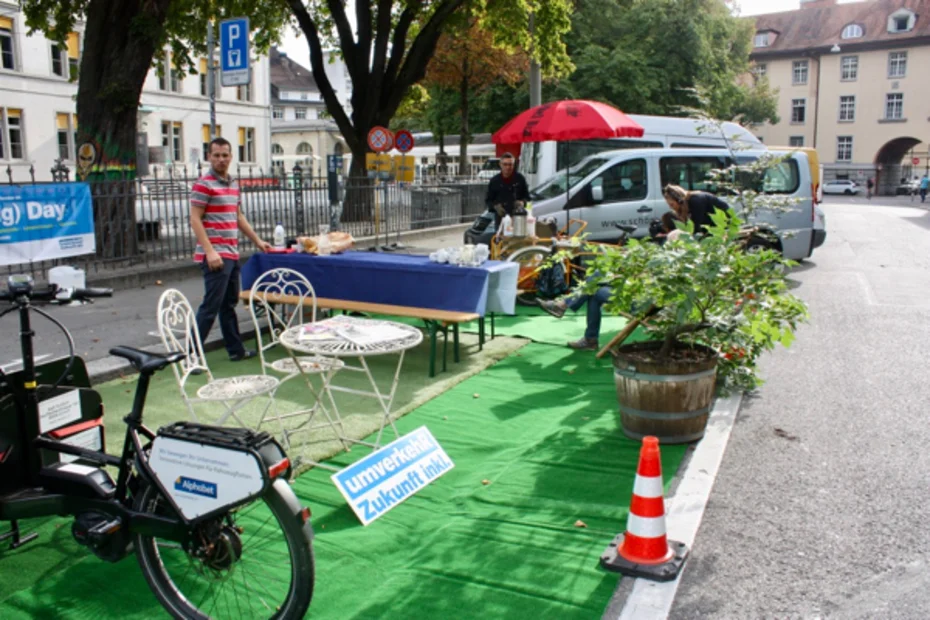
column 121, row 37
column 463, row 139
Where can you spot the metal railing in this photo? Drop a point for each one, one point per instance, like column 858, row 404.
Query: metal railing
column 143, row 222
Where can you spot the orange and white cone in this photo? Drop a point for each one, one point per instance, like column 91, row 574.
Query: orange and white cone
column 644, row 550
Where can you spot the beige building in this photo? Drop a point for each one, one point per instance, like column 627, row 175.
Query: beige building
column 301, row 131
column 852, row 82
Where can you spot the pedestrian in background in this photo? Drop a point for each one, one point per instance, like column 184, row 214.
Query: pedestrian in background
column 924, row 186
column 693, row 205
column 868, row 188
column 216, row 219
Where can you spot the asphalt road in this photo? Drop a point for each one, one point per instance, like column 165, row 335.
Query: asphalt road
column 821, row 505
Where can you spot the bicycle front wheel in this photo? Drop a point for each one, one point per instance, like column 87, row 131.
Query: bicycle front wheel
column 254, row 562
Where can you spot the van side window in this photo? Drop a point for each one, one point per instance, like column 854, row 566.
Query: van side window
column 691, row 173
column 624, row 181
column 782, row 178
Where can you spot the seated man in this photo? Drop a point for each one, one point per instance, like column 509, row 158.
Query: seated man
column 557, row 308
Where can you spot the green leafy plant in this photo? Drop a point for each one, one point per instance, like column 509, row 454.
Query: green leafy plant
column 703, row 290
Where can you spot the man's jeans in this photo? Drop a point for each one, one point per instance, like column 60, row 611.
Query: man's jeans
column 595, row 302
column 220, row 296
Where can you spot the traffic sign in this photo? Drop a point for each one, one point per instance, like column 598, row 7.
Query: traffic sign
column 403, row 141
column 380, row 139
column 915, row 160
column 234, row 51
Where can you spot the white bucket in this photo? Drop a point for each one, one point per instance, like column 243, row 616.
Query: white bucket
column 66, row 276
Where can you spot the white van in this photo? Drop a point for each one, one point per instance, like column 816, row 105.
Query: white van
column 625, row 187
column 540, row 161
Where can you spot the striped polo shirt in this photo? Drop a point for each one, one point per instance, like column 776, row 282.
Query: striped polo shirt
column 221, row 199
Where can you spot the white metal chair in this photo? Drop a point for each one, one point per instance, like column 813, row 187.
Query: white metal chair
column 177, row 326
column 278, row 301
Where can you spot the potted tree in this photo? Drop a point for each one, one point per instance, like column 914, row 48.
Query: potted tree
column 710, row 309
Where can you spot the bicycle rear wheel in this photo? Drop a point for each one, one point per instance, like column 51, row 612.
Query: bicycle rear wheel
column 254, row 562
column 531, row 261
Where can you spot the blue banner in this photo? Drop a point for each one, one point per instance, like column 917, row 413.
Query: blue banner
column 42, row 222
column 384, row 479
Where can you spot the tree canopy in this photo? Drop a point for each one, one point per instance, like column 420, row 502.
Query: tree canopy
column 389, row 43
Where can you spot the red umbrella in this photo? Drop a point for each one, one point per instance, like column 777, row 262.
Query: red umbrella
column 573, row 119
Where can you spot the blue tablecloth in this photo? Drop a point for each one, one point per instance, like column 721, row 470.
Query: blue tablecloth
column 398, row 279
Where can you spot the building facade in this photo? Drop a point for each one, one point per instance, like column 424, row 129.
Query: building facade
column 302, row 131
column 38, row 114
column 852, row 82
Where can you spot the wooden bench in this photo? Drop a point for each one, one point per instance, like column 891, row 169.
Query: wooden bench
column 435, row 320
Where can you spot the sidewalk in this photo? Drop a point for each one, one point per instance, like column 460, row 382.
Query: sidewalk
column 128, row 318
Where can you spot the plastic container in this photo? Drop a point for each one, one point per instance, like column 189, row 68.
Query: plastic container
column 279, row 237
column 323, row 245
column 507, row 226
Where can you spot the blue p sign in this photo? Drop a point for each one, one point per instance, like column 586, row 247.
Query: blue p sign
column 234, row 51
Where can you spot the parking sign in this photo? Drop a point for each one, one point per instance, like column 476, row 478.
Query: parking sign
column 234, row 51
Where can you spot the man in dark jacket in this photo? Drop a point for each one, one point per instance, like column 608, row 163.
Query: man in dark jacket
column 505, row 189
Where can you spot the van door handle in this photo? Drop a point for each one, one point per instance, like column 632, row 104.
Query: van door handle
column 644, row 209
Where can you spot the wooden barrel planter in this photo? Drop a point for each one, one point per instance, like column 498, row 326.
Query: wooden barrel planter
column 670, row 400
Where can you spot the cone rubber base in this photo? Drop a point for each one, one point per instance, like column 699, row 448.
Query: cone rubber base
column 665, row 571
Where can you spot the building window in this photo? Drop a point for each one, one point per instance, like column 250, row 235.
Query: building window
column 7, row 55
column 894, row 106
column 300, row 113
column 171, row 78
column 760, row 70
column 11, row 134
column 246, row 144
column 172, row 140
column 304, row 148
column 897, row 64
column 58, row 60
column 66, row 125
column 796, row 141
column 204, row 74
column 848, row 108
column 849, row 70
column 844, row 148
column 277, row 149
column 244, row 92
column 277, row 112
column 798, row 110
column 761, row 39
column 799, row 72
column 852, row 31
column 303, row 96
column 901, row 21
column 205, row 131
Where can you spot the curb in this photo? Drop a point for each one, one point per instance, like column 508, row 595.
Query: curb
column 141, row 275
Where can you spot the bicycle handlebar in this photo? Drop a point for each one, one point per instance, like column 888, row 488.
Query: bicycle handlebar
column 52, row 294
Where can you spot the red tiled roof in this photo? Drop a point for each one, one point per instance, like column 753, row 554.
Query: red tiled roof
column 821, row 25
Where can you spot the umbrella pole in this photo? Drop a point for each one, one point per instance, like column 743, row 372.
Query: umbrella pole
column 568, row 185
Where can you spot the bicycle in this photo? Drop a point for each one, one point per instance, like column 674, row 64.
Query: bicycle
column 208, row 511
column 536, row 259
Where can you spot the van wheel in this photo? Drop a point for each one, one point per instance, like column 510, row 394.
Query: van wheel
column 848, row 192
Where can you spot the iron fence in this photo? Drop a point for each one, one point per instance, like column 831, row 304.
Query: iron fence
column 143, row 222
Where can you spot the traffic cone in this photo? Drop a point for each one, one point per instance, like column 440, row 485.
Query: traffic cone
column 644, row 550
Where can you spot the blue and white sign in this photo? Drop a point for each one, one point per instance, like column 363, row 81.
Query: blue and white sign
column 234, row 51
column 43, row 222
column 387, row 477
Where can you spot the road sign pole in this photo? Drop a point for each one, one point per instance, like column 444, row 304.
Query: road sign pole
column 211, row 78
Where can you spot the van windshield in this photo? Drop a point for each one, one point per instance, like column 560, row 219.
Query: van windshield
column 492, row 164
column 557, row 185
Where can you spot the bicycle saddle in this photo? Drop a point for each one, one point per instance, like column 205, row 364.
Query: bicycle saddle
column 145, row 361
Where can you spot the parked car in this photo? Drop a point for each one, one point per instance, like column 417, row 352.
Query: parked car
column 908, row 188
column 841, row 186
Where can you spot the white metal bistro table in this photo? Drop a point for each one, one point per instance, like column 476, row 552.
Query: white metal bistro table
column 345, row 336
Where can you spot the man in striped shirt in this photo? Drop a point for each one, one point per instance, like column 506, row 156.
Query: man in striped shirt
column 216, row 219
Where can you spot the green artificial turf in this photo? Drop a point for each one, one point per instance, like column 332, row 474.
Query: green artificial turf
column 538, row 452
